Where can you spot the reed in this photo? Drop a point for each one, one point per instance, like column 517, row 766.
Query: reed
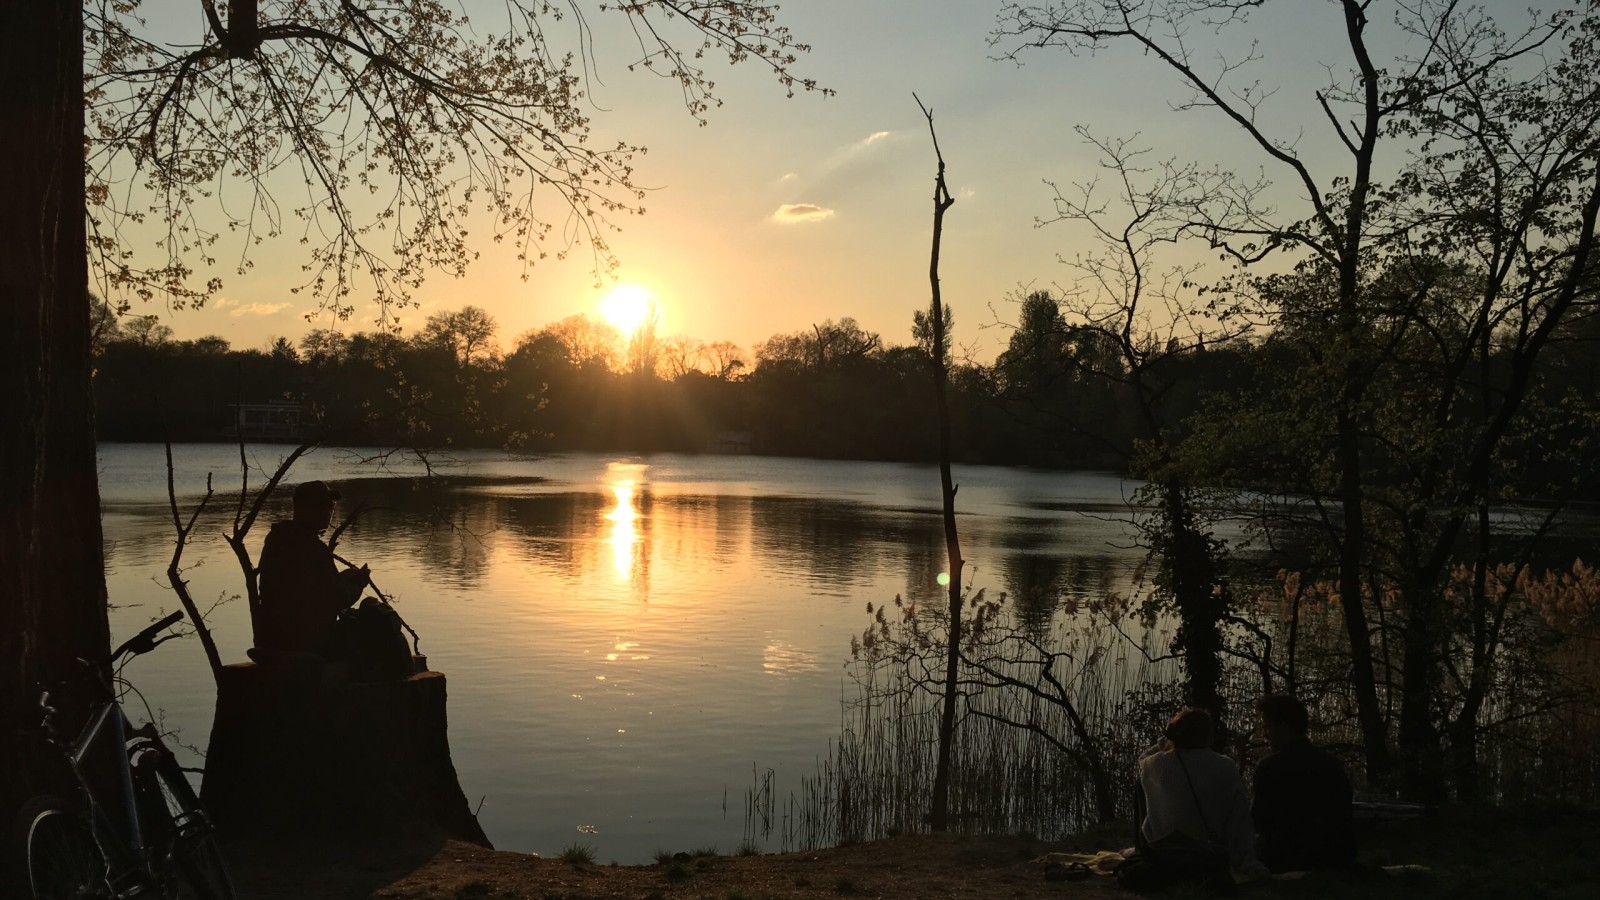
column 1020, row 763
column 1535, row 739
column 1054, row 716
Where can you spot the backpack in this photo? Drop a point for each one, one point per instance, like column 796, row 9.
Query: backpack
column 1178, row 859
column 370, row 639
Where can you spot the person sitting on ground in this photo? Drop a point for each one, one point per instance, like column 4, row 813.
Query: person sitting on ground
column 301, row 587
column 1192, row 789
column 1301, row 810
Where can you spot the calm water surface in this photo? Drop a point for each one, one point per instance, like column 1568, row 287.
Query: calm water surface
column 626, row 637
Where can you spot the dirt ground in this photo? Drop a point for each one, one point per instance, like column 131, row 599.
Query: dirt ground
column 1452, row 855
column 905, row 868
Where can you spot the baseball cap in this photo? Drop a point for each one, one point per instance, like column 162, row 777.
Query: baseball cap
column 314, row 492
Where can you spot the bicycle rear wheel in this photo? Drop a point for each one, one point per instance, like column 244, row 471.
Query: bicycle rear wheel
column 60, row 859
column 175, row 826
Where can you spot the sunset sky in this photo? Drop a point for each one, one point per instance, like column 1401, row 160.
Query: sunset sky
column 780, row 213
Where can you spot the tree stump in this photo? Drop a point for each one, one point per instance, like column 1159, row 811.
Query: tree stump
column 299, row 748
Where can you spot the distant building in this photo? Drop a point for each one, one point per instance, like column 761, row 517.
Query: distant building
column 731, row 442
column 275, row 420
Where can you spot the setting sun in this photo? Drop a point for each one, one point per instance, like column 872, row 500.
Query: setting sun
column 626, row 307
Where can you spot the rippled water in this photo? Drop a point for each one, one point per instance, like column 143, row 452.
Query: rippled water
column 626, row 637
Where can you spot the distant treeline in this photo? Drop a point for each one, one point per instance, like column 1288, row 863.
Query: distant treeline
column 834, row 390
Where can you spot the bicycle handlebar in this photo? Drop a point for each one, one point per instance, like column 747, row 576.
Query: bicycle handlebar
column 145, row 641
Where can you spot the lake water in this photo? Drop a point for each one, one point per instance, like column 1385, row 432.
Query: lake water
column 627, row 638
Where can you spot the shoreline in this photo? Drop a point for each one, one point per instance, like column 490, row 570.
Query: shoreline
column 1455, row 852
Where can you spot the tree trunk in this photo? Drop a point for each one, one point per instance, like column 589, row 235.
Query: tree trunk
column 1363, row 672
column 939, row 808
column 52, row 579
column 1352, row 554
column 1201, row 604
column 1421, row 759
column 1464, row 755
column 306, row 750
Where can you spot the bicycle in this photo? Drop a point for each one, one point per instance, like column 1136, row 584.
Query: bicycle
column 136, row 829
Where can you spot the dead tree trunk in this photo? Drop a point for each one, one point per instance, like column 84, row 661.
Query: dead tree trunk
column 308, row 750
column 939, row 814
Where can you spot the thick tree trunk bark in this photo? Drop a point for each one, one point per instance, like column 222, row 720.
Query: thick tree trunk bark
column 52, row 581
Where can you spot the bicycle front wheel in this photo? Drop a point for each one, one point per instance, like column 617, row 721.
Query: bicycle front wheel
column 60, row 858
column 178, row 831
column 202, row 875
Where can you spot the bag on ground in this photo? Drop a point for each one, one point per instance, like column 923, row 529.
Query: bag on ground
column 1178, row 859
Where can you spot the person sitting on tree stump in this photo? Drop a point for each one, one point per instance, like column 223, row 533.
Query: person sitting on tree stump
column 302, row 589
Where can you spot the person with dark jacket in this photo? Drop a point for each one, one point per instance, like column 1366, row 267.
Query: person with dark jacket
column 1301, row 809
column 302, row 590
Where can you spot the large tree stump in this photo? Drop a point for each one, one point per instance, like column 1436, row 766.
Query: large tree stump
column 303, row 748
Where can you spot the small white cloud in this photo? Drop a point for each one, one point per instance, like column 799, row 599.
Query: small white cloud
column 875, row 137
column 966, row 193
column 259, row 309
column 223, row 303
column 791, row 213
column 789, row 176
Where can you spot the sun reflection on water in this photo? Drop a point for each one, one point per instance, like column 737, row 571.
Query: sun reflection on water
column 623, row 480
column 623, row 650
column 783, row 658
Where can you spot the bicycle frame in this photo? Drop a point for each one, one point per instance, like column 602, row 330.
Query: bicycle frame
column 104, row 759
column 100, row 763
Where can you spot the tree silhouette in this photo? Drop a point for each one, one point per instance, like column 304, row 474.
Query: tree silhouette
column 468, row 334
column 369, row 133
column 52, row 586
column 1488, row 131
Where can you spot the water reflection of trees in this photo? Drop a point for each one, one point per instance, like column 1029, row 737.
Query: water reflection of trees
column 459, row 530
column 834, row 542
column 924, row 560
column 457, row 552
column 574, row 533
column 1042, row 585
column 1034, row 584
column 446, row 528
column 707, row 531
column 556, row 530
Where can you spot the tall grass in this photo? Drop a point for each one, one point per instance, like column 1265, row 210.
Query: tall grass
column 875, row 781
column 1021, row 765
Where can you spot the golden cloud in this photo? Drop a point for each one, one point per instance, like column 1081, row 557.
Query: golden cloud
column 259, row 309
column 791, row 213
